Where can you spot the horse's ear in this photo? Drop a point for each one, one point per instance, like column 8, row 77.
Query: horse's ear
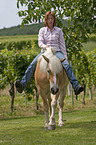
column 46, row 58
column 62, row 59
column 53, row 51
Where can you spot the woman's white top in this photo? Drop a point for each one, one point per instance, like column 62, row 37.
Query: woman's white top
column 52, row 39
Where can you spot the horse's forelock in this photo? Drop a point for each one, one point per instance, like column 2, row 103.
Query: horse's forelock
column 54, row 62
column 55, row 65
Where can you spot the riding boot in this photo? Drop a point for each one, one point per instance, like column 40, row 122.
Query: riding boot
column 28, row 74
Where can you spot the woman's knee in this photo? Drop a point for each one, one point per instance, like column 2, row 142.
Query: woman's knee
column 66, row 64
column 59, row 55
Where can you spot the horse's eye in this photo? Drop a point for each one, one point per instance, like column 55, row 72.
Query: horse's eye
column 49, row 71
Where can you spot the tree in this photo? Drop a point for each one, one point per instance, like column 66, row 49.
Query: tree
column 81, row 20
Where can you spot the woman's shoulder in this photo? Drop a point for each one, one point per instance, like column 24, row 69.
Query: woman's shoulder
column 58, row 29
column 42, row 29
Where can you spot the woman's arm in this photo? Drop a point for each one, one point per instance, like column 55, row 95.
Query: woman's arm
column 62, row 44
column 41, row 38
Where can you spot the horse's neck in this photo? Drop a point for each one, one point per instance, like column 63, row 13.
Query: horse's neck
column 54, row 64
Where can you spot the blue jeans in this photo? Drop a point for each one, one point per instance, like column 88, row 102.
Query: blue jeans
column 31, row 69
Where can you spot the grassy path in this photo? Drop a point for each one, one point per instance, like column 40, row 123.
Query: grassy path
column 79, row 129
column 25, row 126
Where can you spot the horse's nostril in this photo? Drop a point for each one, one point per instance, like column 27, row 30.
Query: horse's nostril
column 57, row 89
column 54, row 90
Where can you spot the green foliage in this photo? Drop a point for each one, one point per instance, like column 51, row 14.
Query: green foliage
column 80, row 13
column 92, row 68
column 2, row 45
column 14, row 64
column 84, row 66
column 3, row 67
column 23, row 44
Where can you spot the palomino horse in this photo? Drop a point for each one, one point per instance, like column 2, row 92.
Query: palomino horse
column 51, row 82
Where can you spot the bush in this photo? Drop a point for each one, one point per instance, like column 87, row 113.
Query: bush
column 19, row 45
column 2, row 45
column 13, row 66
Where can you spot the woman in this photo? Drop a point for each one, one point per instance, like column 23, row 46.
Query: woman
column 52, row 36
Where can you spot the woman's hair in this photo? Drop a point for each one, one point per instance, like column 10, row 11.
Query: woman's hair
column 46, row 18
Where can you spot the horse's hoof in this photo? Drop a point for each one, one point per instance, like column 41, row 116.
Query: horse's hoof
column 46, row 128
column 60, row 125
column 51, row 127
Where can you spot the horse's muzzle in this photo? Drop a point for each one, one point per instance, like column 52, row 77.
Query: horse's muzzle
column 54, row 90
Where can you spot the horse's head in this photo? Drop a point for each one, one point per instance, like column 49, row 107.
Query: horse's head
column 53, row 81
column 54, row 69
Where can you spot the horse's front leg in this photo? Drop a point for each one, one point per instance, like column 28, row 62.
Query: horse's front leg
column 61, row 104
column 46, row 107
column 52, row 117
column 46, row 120
column 61, row 123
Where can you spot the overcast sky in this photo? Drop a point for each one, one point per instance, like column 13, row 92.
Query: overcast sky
column 8, row 13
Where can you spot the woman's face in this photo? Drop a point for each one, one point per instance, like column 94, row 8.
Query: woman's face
column 50, row 21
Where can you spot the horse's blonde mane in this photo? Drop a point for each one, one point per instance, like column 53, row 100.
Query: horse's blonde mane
column 54, row 62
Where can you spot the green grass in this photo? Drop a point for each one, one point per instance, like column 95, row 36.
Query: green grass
column 79, row 128
column 89, row 46
column 18, row 38
column 25, row 126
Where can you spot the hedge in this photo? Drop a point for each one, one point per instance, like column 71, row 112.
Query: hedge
column 19, row 45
